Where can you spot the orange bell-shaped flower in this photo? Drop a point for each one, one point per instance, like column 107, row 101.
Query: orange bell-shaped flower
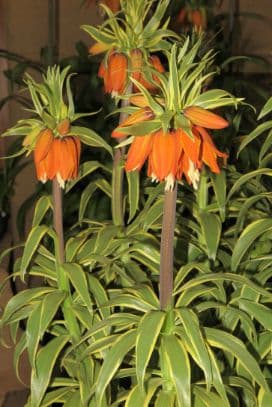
column 114, row 73
column 58, row 158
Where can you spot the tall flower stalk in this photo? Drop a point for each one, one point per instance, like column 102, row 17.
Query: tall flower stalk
column 128, row 42
column 171, row 131
column 167, row 248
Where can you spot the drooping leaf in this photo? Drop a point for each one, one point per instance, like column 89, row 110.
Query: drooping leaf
column 145, row 343
column 45, row 362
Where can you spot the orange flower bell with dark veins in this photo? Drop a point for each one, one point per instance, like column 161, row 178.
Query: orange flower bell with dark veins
column 171, row 131
column 174, row 154
column 57, row 157
column 129, row 42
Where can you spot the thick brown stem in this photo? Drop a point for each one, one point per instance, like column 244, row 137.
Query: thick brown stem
column 167, row 248
column 53, row 31
column 58, row 219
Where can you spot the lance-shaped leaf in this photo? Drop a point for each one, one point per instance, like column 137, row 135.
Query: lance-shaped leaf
column 34, row 238
column 146, row 342
column 229, row 343
column 79, row 281
column 178, row 365
column 112, row 361
column 249, row 235
column 42, row 206
column 40, row 319
column 45, row 363
column 89, row 137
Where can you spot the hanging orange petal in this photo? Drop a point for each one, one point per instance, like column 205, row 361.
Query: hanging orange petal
column 98, row 48
column 139, row 116
column 138, row 152
column 198, row 19
column 67, row 161
column 204, row 118
column 190, row 146
column 181, row 16
column 138, row 100
column 101, row 70
column 117, row 71
column 41, row 171
column 136, row 56
column 43, row 145
column 209, row 152
column 103, row 73
column 114, row 5
column 63, row 127
column 51, row 160
column 78, row 151
column 163, row 157
column 156, row 63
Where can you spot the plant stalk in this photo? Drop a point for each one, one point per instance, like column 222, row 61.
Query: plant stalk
column 53, row 32
column 118, row 172
column 167, row 249
column 63, row 281
column 57, row 220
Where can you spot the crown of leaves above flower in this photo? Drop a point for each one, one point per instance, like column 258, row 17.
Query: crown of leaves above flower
column 135, row 27
column 183, row 100
column 50, row 111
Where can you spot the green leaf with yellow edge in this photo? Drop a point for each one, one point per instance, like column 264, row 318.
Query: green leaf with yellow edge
column 165, row 398
column 150, row 100
column 264, row 399
column 112, row 361
column 248, row 236
column 173, row 83
column 254, row 134
column 211, row 229
column 130, row 301
column 142, row 128
column 214, row 98
column 205, row 398
column 22, row 299
column 45, row 363
column 136, row 397
column 100, row 295
column 220, row 188
column 133, row 179
column 34, row 238
column 221, row 277
column 266, row 109
column 98, row 35
column 146, row 342
column 89, row 137
column 20, row 347
column 178, row 364
column 152, row 216
column 258, row 311
column 42, row 206
column 56, row 396
column 229, row 343
column 40, row 319
column 85, row 198
column 247, row 177
column 79, row 281
column 190, row 323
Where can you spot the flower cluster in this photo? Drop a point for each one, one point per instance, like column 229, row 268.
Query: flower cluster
column 129, row 44
column 174, row 153
column 171, row 130
column 57, row 157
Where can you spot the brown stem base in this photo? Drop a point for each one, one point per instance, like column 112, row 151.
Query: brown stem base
column 167, row 249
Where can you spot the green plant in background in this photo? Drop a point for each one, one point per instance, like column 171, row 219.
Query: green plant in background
column 169, row 304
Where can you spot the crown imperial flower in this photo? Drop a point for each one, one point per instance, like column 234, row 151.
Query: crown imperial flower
column 170, row 131
column 129, row 41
